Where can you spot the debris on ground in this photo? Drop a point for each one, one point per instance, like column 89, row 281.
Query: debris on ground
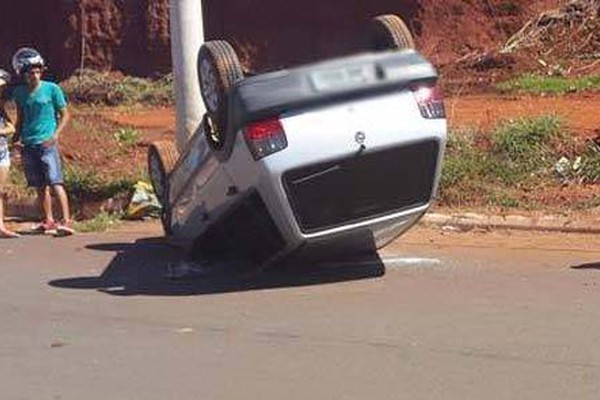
column 143, row 203
column 568, row 171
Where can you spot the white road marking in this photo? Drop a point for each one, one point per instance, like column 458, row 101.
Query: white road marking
column 399, row 262
column 389, row 262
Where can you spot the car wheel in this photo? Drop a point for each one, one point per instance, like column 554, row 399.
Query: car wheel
column 218, row 69
column 162, row 157
column 389, row 32
column 165, row 220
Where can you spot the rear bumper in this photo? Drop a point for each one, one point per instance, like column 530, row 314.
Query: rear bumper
column 360, row 238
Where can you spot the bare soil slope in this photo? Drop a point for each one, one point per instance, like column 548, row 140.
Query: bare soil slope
column 133, row 36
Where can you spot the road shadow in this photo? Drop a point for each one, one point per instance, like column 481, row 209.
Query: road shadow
column 593, row 265
column 143, row 268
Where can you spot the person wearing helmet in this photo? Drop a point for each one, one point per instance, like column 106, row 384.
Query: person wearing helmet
column 41, row 117
column 6, row 128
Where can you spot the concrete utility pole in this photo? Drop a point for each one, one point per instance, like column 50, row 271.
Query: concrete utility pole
column 187, row 35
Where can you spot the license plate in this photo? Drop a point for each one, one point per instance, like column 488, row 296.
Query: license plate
column 343, row 78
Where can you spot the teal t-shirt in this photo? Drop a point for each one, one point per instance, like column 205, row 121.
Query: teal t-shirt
column 39, row 110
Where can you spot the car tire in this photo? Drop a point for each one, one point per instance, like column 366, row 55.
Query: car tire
column 389, row 32
column 218, row 69
column 162, row 157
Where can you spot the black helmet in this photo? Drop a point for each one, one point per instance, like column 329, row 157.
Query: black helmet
column 4, row 77
column 26, row 58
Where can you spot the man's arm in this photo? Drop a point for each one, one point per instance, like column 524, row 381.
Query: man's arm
column 60, row 105
column 17, row 136
column 63, row 118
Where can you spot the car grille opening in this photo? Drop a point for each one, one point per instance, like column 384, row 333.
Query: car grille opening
column 362, row 186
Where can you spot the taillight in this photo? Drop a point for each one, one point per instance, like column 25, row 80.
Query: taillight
column 430, row 101
column 265, row 137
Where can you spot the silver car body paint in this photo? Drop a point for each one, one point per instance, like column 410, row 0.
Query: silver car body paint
column 202, row 188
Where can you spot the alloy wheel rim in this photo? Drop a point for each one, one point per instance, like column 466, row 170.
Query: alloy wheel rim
column 209, row 85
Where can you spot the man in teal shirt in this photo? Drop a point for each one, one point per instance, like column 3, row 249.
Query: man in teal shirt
column 41, row 116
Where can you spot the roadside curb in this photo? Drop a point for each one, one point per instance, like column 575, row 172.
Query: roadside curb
column 554, row 223
column 463, row 221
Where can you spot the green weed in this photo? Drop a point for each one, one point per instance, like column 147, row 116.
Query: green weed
column 589, row 170
column 518, row 155
column 102, row 222
column 17, row 177
column 464, row 160
column 594, row 202
column 79, row 182
column 537, row 84
column 127, row 137
column 525, row 148
column 86, row 184
column 503, row 200
column 465, row 168
column 523, row 137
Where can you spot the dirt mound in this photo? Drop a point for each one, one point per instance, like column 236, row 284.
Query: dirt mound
column 565, row 40
column 288, row 33
column 463, row 38
column 476, row 45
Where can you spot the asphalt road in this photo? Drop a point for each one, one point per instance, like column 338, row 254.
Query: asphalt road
column 446, row 315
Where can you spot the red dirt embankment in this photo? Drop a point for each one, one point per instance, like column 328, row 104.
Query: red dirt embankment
column 453, row 29
column 133, row 36
column 268, row 34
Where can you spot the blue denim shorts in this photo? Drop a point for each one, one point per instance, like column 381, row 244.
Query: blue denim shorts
column 42, row 165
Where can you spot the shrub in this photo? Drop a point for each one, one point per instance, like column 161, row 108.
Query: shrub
column 526, row 147
column 520, row 155
column 590, row 163
column 110, row 88
column 86, row 184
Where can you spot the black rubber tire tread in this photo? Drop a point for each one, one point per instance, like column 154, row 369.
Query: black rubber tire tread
column 165, row 220
column 221, row 55
column 167, row 149
column 167, row 154
column 389, row 32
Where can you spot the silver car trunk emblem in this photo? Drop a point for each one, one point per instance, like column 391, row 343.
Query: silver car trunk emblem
column 360, row 138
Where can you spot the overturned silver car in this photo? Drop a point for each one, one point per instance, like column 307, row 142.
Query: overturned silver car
column 342, row 155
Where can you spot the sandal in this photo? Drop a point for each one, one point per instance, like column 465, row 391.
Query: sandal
column 64, row 229
column 45, row 228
